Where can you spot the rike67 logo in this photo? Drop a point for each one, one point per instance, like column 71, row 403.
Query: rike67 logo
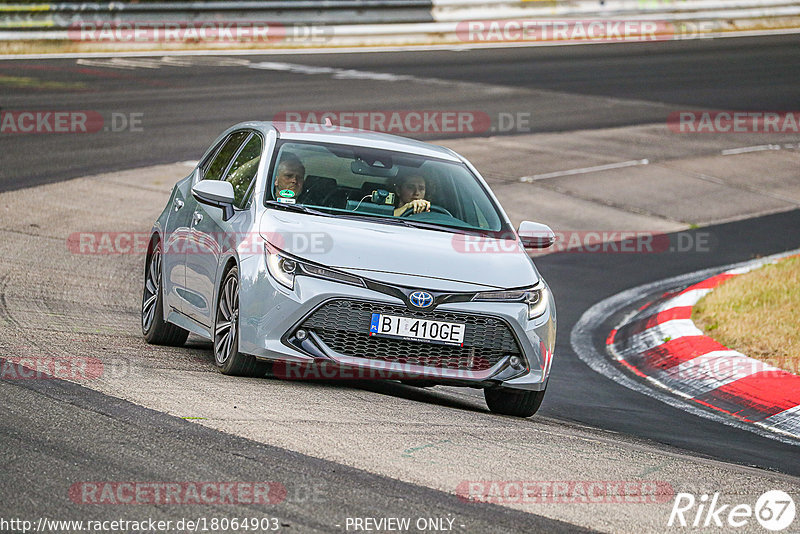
column 774, row 510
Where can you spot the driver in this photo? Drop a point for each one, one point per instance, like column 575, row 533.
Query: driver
column 410, row 189
column 291, row 175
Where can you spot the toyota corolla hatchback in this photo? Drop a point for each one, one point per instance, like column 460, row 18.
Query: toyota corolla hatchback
column 316, row 251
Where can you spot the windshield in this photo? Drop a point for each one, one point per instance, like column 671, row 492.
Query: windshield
column 384, row 186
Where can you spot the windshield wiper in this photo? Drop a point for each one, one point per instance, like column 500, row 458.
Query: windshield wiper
column 375, row 218
column 401, row 221
column 440, row 227
column 397, row 221
column 300, row 208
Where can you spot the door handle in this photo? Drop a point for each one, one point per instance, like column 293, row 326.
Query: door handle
column 197, row 218
column 178, row 204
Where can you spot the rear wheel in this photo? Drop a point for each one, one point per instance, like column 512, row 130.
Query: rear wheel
column 513, row 402
column 226, row 332
column 155, row 329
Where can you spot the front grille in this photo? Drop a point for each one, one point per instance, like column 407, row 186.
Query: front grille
column 343, row 325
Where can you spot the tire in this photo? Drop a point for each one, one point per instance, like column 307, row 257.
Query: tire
column 155, row 329
column 511, row 402
column 226, row 332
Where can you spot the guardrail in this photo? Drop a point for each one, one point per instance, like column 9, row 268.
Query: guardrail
column 67, row 14
column 453, row 10
column 359, row 22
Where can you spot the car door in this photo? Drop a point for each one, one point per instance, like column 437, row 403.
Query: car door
column 177, row 233
column 194, row 300
column 212, row 237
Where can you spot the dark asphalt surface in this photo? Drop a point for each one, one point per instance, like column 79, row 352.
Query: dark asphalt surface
column 577, row 393
column 184, row 108
column 57, row 434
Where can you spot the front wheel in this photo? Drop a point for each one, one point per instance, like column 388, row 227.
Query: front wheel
column 513, row 402
column 226, row 332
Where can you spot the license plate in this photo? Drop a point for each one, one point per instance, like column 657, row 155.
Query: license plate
column 417, row 329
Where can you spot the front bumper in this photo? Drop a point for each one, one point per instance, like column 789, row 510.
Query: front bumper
column 271, row 314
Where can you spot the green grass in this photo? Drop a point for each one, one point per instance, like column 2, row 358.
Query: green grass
column 757, row 314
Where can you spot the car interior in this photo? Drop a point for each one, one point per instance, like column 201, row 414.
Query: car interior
column 365, row 183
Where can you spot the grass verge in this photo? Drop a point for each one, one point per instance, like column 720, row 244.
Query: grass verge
column 757, row 314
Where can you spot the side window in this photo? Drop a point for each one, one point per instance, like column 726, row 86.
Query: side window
column 482, row 222
column 223, row 157
column 210, row 157
column 243, row 170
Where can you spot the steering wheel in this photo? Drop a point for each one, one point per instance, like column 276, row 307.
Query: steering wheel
column 438, row 209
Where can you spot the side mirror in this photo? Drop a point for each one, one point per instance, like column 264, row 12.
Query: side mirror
column 215, row 193
column 536, row 235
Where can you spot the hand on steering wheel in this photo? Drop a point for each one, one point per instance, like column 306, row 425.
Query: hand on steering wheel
column 438, row 209
column 415, row 206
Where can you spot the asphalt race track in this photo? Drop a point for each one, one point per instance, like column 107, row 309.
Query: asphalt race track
column 117, row 433
column 563, row 88
column 57, row 432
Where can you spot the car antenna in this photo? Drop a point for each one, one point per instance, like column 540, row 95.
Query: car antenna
column 328, row 121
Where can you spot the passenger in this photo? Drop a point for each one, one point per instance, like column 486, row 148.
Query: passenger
column 290, row 176
column 410, row 190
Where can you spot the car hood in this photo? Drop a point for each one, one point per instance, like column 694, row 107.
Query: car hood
column 399, row 254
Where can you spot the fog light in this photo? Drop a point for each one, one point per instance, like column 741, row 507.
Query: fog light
column 515, row 362
column 301, row 334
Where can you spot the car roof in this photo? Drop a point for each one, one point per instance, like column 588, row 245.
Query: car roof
column 321, row 133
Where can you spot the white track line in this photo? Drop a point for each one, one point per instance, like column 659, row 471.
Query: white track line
column 716, row 369
column 581, row 339
column 659, row 334
column 585, row 170
column 353, row 74
column 746, row 149
column 703, row 373
column 685, row 298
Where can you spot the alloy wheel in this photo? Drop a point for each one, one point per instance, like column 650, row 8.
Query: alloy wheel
column 227, row 321
column 151, row 288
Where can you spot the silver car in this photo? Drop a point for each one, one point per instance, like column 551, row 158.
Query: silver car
column 311, row 251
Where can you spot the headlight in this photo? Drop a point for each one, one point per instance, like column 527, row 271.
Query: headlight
column 284, row 268
column 535, row 297
column 281, row 268
column 329, row 274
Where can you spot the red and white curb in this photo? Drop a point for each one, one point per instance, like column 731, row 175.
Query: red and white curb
column 661, row 345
